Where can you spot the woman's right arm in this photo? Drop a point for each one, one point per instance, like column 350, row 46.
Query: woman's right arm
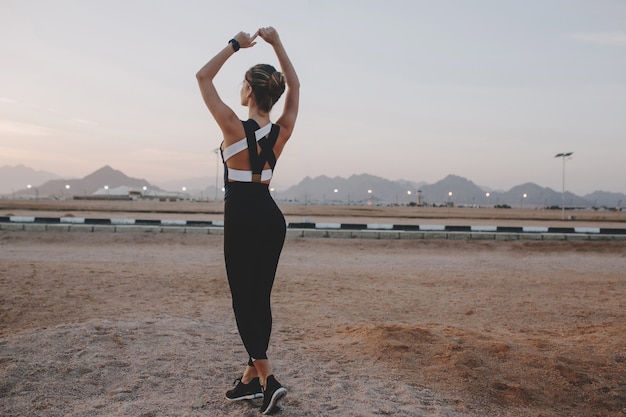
column 287, row 120
column 224, row 115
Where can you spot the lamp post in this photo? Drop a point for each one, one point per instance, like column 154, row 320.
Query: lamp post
column 217, row 174
column 29, row 186
column 563, row 155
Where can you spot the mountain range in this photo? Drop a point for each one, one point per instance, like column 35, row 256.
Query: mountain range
column 357, row 189
column 56, row 187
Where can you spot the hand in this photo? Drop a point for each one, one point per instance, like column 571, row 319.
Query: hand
column 245, row 40
column 269, row 35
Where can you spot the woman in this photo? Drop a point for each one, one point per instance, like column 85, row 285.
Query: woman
column 254, row 227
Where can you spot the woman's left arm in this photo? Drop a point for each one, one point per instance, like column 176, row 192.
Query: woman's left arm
column 287, row 120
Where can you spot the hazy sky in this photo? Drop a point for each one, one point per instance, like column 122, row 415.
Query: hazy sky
column 489, row 90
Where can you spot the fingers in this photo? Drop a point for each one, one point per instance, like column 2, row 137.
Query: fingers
column 245, row 40
column 268, row 34
column 254, row 37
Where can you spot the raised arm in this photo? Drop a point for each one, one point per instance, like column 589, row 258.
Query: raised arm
column 224, row 115
column 287, row 120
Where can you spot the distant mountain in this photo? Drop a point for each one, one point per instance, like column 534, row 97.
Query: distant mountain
column 14, row 178
column 452, row 189
column 463, row 191
column 196, row 184
column 105, row 176
column 541, row 197
column 606, row 199
column 366, row 189
column 357, row 189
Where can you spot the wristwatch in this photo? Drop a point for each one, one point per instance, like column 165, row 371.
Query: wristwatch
column 234, row 44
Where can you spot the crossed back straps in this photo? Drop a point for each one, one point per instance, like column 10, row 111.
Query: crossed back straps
column 266, row 137
column 258, row 160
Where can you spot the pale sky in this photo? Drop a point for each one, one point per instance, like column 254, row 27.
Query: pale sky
column 488, row 90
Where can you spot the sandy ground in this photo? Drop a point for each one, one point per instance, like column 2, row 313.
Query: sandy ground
column 111, row 324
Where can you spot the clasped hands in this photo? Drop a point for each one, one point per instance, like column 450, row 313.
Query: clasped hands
column 268, row 34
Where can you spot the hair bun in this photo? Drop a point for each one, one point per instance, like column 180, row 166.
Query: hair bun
column 267, row 85
column 276, row 85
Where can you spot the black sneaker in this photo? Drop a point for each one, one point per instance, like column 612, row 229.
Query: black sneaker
column 242, row 391
column 272, row 393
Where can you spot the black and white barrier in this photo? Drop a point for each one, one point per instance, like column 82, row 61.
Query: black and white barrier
column 310, row 229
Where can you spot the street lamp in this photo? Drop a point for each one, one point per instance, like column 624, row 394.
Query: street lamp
column 29, row 186
column 522, row 201
column 217, row 170
column 563, row 156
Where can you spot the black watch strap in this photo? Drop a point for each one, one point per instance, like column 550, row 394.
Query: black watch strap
column 234, row 44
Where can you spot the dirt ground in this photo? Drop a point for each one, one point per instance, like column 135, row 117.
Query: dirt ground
column 140, row 324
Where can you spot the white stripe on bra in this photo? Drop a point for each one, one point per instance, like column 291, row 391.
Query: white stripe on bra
column 242, row 144
column 246, row 176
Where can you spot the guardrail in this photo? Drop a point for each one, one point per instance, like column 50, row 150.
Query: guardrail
column 310, row 229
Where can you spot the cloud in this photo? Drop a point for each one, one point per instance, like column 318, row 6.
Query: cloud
column 7, row 100
column 23, row 129
column 601, row 38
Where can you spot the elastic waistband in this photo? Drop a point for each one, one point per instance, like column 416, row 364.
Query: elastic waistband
column 250, row 189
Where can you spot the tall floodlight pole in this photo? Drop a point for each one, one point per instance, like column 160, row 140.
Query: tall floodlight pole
column 563, row 156
column 217, row 172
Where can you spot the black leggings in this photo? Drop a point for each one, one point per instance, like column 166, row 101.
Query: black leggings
column 254, row 234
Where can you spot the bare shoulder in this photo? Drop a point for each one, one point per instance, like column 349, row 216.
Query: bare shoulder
column 233, row 131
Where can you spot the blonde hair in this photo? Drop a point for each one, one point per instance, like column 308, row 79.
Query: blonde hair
column 267, row 85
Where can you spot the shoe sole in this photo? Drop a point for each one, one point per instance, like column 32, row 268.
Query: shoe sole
column 278, row 394
column 247, row 397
